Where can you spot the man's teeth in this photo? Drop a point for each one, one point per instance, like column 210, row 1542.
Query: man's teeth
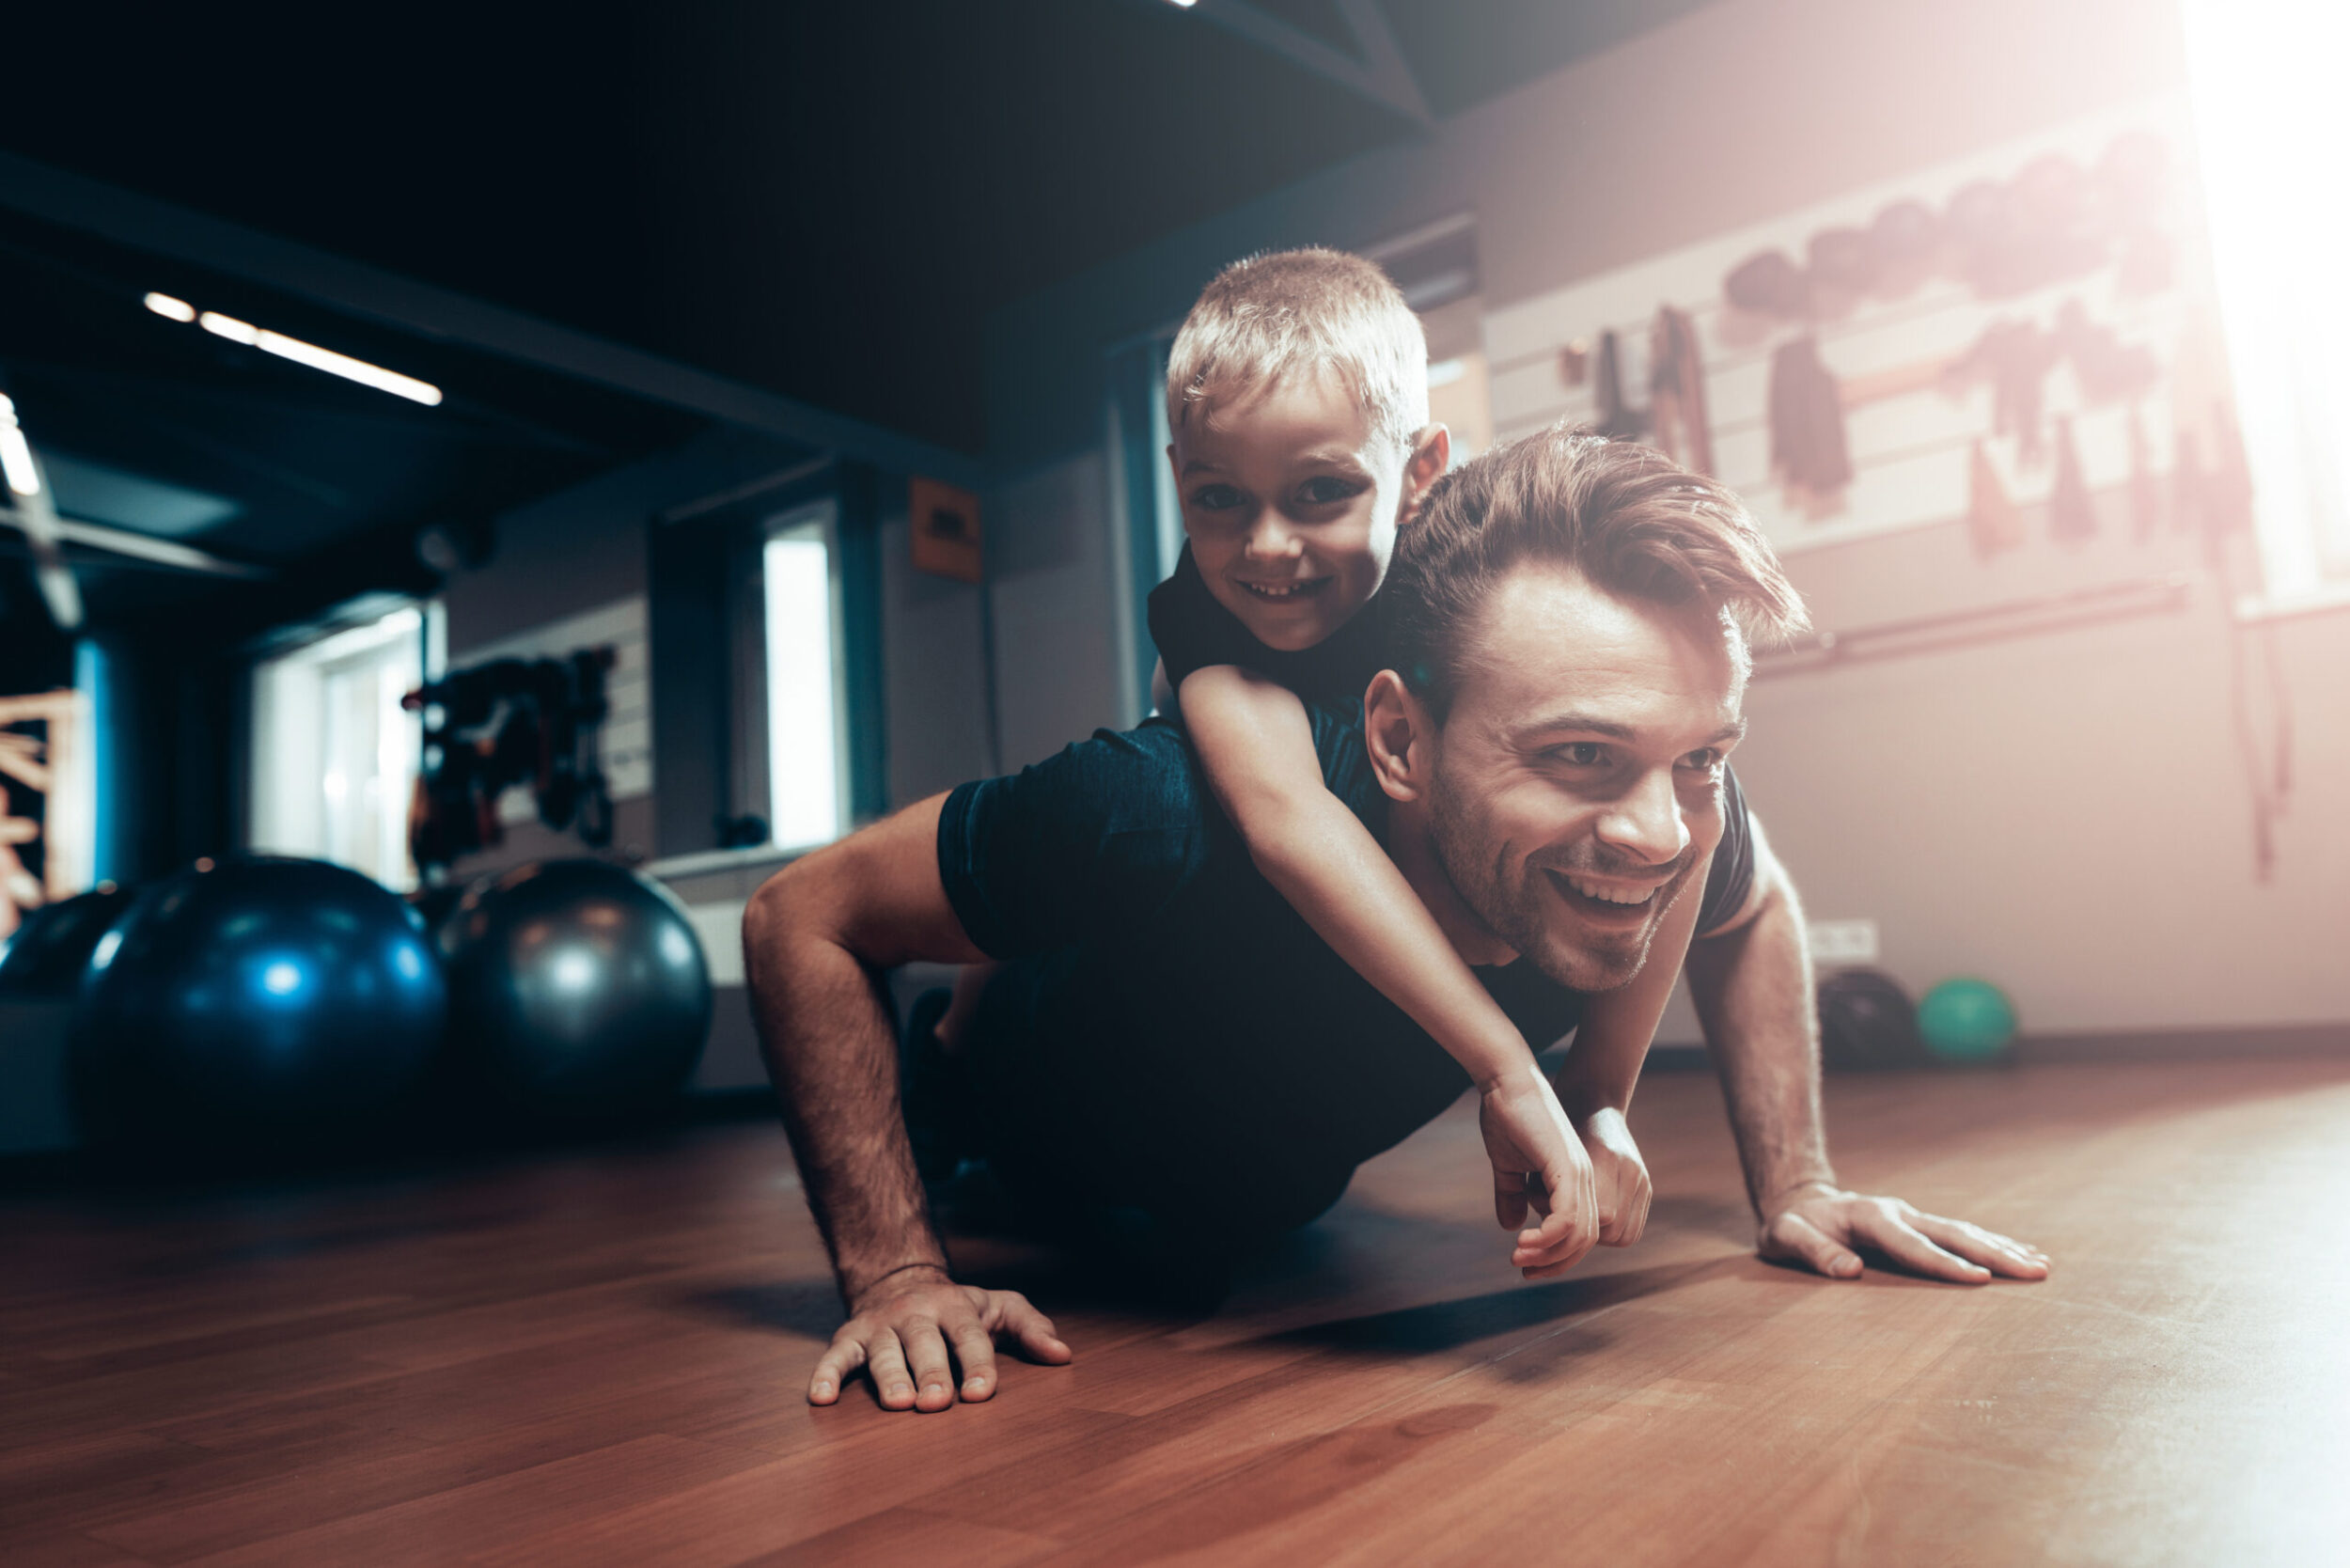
column 1609, row 895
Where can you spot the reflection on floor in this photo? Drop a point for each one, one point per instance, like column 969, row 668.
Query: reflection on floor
column 599, row 1357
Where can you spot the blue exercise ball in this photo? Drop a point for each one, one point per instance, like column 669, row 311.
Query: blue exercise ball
column 259, row 998
column 577, row 990
column 46, row 956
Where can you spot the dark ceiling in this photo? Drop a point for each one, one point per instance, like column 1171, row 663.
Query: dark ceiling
column 822, row 200
column 161, row 429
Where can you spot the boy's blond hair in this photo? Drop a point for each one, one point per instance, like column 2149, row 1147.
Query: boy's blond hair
column 1268, row 317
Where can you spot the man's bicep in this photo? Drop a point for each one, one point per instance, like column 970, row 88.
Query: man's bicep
column 877, row 893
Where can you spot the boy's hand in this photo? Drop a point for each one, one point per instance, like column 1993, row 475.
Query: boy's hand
column 1619, row 1177
column 1538, row 1164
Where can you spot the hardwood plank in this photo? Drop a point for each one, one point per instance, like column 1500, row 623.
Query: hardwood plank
column 467, row 1523
column 599, row 1356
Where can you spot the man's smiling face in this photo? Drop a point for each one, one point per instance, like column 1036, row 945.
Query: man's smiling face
column 1578, row 786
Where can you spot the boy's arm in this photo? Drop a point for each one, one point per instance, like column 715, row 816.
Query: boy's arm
column 1611, row 1042
column 1256, row 746
column 815, row 938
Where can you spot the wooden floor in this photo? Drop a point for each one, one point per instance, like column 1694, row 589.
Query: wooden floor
column 591, row 1358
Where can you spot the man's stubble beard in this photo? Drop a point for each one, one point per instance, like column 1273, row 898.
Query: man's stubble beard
column 1479, row 867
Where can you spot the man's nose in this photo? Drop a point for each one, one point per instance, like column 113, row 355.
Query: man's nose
column 1644, row 823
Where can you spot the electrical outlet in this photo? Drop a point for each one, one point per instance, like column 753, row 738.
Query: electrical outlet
column 1844, row 941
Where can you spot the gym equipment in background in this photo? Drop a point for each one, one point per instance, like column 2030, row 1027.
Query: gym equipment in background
column 265, row 1000
column 46, row 955
column 1967, row 1019
column 434, row 904
column 577, row 990
column 1868, row 1023
column 533, row 721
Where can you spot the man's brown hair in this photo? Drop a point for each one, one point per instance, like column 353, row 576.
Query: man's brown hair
column 1632, row 521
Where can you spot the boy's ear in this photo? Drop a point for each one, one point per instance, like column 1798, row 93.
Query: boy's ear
column 1432, row 454
column 1401, row 736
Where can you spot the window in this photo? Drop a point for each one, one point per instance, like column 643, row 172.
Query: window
column 335, row 756
column 807, row 751
column 2271, row 120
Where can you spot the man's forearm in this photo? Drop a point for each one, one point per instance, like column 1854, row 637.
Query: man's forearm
column 1752, row 987
column 824, row 1028
column 815, row 940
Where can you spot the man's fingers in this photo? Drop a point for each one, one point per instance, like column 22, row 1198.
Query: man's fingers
column 974, row 1348
column 1999, row 1254
column 1793, row 1238
column 1902, row 1242
column 886, row 1363
column 833, row 1369
column 926, row 1353
column 1033, row 1331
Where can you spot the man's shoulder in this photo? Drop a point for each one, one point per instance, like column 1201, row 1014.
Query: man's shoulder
column 1151, row 775
column 1115, row 831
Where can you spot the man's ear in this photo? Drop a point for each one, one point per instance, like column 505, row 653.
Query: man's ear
column 1401, row 737
column 1432, row 454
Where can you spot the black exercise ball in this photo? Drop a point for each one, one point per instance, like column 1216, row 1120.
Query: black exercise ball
column 46, row 956
column 577, row 989
column 262, row 999
column 1868, row 1023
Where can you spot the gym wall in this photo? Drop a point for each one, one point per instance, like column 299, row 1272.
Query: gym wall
column 2049, row 812
column 581, row 557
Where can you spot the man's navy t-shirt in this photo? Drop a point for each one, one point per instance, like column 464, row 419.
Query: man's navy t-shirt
column 1167, row 1033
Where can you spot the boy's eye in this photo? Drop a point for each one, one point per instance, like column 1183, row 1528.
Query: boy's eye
column 1324, row 489
column 1216, row 497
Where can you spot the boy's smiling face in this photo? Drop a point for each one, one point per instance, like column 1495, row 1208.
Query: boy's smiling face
column 1291, row 500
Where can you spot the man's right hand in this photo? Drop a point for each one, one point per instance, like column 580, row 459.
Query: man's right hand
column 1538, row 1164
column 903, row 1329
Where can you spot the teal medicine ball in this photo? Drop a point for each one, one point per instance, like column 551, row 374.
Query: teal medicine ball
column 1966, row 1020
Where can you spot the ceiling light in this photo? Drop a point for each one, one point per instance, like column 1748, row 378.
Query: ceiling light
column 163, row 304
column 315, row 357
column 229, row 328
column 16, row 454
column 349, row 369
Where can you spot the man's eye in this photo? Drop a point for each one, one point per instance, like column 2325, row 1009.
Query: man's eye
column 1581, row 754
column 1216, row 497
column 1323, row 491
column 1705, row 760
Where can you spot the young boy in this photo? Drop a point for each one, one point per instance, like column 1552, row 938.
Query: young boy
column 1298, row 399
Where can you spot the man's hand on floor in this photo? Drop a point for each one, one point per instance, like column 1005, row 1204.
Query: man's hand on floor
column 908, row 1330
column 1821, row 1227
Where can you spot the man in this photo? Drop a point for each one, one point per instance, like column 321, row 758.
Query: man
column 1547, row 763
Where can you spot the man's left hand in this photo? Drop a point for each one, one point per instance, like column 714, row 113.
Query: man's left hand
column 1821, row 1226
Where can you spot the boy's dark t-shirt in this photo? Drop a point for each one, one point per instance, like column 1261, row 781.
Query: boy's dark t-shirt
column 1165, row 1031
column 1192, row 631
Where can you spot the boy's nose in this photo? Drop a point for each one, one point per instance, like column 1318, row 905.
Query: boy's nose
column 1273, row 539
